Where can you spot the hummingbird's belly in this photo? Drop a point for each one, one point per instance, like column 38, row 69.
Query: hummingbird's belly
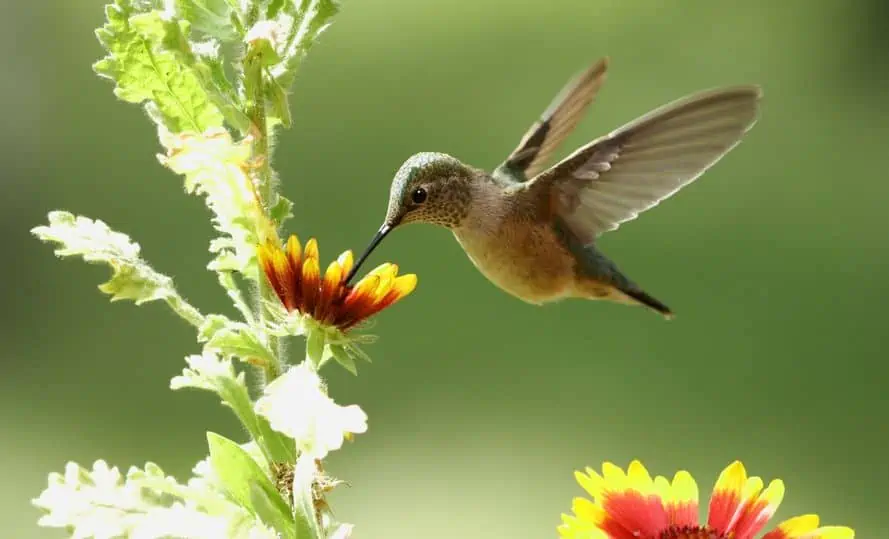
column 529, row 263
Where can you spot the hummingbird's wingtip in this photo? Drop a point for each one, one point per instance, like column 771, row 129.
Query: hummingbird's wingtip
column 600, row 66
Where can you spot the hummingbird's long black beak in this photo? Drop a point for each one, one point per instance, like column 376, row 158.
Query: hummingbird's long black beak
column 378, row 237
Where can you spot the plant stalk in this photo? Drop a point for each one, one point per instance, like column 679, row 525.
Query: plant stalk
column 255, row 93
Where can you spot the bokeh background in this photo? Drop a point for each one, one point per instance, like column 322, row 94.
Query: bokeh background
column 481, row 406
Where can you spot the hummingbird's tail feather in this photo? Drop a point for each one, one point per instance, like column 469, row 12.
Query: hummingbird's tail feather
column 599, row 278
column 640, row 296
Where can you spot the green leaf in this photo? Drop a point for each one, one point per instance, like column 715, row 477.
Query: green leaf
column 211, row 17
column 357, row 352
column 262, row 43
column 212, row 324
column 281, row 447
column 141, row 62
column 205, row 61
column 95, row 242
column 152, row 479
column 210, row 372
column 213, row 373
column 234, row 339
column 227, row 281
column 236, row 23
column 216, row 166
column 281, row 211
column 131, row 277
column 312, row 17
column 343, row 358
column 238, row 472
column 273, row 9
column 208, row 65
column 315, row 346
column 280, row 107
column 274, row 511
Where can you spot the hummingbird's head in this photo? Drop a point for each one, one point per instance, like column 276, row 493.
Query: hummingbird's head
column 428, row 188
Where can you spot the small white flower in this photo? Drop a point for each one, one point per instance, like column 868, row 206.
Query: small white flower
column 205, row 371
column 100, row 503
column 275, row 32
column 343, row 532
column 91, row 503
column 296, row 405
column 180, row 521
column 259, row 531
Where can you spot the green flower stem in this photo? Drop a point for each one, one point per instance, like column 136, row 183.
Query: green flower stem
column 254, row 85
column 227, row 280
column 252, row 14
column 185, row 310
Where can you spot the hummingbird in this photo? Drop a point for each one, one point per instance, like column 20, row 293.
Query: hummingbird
column 532, row 230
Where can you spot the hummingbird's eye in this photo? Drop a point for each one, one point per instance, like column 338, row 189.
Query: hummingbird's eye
column 418, row 196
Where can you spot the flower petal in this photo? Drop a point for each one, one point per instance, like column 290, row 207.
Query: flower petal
column 400, row 287
column 330, row 285
column 639, row 478
column 312, row 249
column 311, row 284
column 379, row 269
column 377, row 298
column 294, row 251
column 576, row 528
column 387, row 279
column 632, row 507
column 794, row 527
column 346, row 261
column 806, row 527
column 757, row 513
column 682, row 506
column 357, row 301
column 279, row 272
column 588, row 511
column 591, row 482
column 614, row 476
column 294, row 255
column 831, row 532
column 726, row 498
column 386, row 273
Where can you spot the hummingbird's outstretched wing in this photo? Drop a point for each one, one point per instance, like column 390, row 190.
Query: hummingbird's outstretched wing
column 614, row 178
column 556, row 122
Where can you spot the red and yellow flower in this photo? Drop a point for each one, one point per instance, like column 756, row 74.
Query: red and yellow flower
column 295, row 275
column 632, row 505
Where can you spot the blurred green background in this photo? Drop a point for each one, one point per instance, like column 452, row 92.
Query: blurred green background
column 481, row 406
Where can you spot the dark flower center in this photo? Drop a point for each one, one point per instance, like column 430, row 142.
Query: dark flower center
column 690, row 532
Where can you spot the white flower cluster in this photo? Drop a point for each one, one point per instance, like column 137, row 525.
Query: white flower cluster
column 102, row 504
column 297, row 405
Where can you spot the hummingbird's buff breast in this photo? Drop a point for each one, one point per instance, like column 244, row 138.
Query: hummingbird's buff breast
column 517, row 252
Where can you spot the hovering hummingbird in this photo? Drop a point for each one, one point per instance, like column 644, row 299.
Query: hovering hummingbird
column 532, row 231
